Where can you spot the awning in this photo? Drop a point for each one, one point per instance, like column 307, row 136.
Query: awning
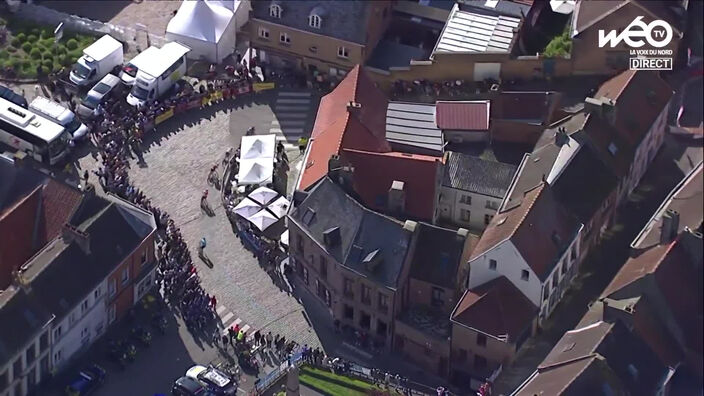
column 279, row 207
column 263, row 219
column 263, row 195
column 247, row 208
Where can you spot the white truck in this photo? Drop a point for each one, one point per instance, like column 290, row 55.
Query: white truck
column 158, row 75
column 99, row 59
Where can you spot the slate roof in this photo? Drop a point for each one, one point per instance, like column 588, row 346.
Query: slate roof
column 496, row 308
column 344, row 20
column 621, row 352
column 473, row 174
column 585, row 184
column 463, row 115
column 437, row 256
column 362, row 231
column 114, row 233
column 539, row 227
column 686, row 198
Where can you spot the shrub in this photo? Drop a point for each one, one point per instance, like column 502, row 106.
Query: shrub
column 15, row 63
column 72, row 44
column 21, row 36
column 26, row 47
column 35, row 53
column 64, row 60
column 35, row 31
column 12, row 49
column 75, row 54
column 32, row 38
column 61, row 50
column 48, row 63
column 4, row 54
column 26, row 63
column 16, row 42
column 47, row 54
column 46, row 70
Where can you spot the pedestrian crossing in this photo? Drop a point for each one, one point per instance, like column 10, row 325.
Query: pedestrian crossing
column 228, row 320
column 290, row 120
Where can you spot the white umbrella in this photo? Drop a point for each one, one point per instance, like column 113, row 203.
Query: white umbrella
column 263, row 195
column 247, row 208
column 263, row 219
column 563, row 6
column 279, row 207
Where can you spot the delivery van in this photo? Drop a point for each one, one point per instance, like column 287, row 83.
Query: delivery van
column 99, row 59
column 159, row 74
column 128, row 75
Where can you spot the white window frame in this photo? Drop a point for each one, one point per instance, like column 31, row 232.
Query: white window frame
column 343, row 52
column 315, row 21
column 57, row 332
column 112, row 287
column 275, row 11
column 284, row 38
column 263, row 33
column 125, row 277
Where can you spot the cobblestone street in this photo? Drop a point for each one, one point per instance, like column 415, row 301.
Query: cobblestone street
column 174, row 176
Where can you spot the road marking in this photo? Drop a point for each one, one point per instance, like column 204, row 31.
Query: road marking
column 245, row 328
column 306, row 94
column 220, row 309
column 292, row 101
column 227, row 317
column 287, row 131
column 283, row 116
column 289, row 123
column 289, row 108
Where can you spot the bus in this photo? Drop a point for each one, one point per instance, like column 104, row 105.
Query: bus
column 43, row 140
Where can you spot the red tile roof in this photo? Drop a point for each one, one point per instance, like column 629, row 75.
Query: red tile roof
column 335, row 126
column 374, row 173
column 539, row 227
column 497, row 308
column 462, row 115
column 59, row 202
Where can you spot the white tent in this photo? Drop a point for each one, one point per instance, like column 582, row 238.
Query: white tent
column 255, row 171
column 207, row 27
column 263, row 219
column 264, row 195
column 284, row 241
column 258, row 146
column 247, row 208
column 279, row 207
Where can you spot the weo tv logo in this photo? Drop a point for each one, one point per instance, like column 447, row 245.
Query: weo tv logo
column 657, row 34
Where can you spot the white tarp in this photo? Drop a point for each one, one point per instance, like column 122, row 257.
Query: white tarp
column 258, row 146
column 263, row 195
column 255, row 171
column 207, row 27
column 247, row 208
column 262, row 219
column 279, row 207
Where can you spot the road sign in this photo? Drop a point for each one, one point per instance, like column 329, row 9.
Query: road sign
column 59, row 32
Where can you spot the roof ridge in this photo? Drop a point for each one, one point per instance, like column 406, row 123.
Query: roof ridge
column 627, row 83
column 530, row 206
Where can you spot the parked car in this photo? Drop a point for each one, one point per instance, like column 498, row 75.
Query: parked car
column 109, row 86
column 215, row 380
column 87, row 381
column 185, row 386
column 8, row 94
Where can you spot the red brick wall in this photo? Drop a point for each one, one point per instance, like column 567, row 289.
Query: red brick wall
column 16, row 227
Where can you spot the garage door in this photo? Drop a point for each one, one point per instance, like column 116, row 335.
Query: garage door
column 482, row 71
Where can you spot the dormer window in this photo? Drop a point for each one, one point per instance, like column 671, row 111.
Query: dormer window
column 314, row 21
column 275, row 11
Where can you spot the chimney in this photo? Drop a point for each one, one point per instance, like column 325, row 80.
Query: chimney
column 410, row 226
column 331, row 237
column 692, row 243
column 72, row 234
column 561, row 137
column 593, row 106
column 670, row 226
column 354, row 107
column 397, row 198
column 334, row 163
column 462, row 234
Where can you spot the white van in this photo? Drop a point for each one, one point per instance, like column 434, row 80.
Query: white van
column 159, row 74
column 128, row 75
column 60, row 115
